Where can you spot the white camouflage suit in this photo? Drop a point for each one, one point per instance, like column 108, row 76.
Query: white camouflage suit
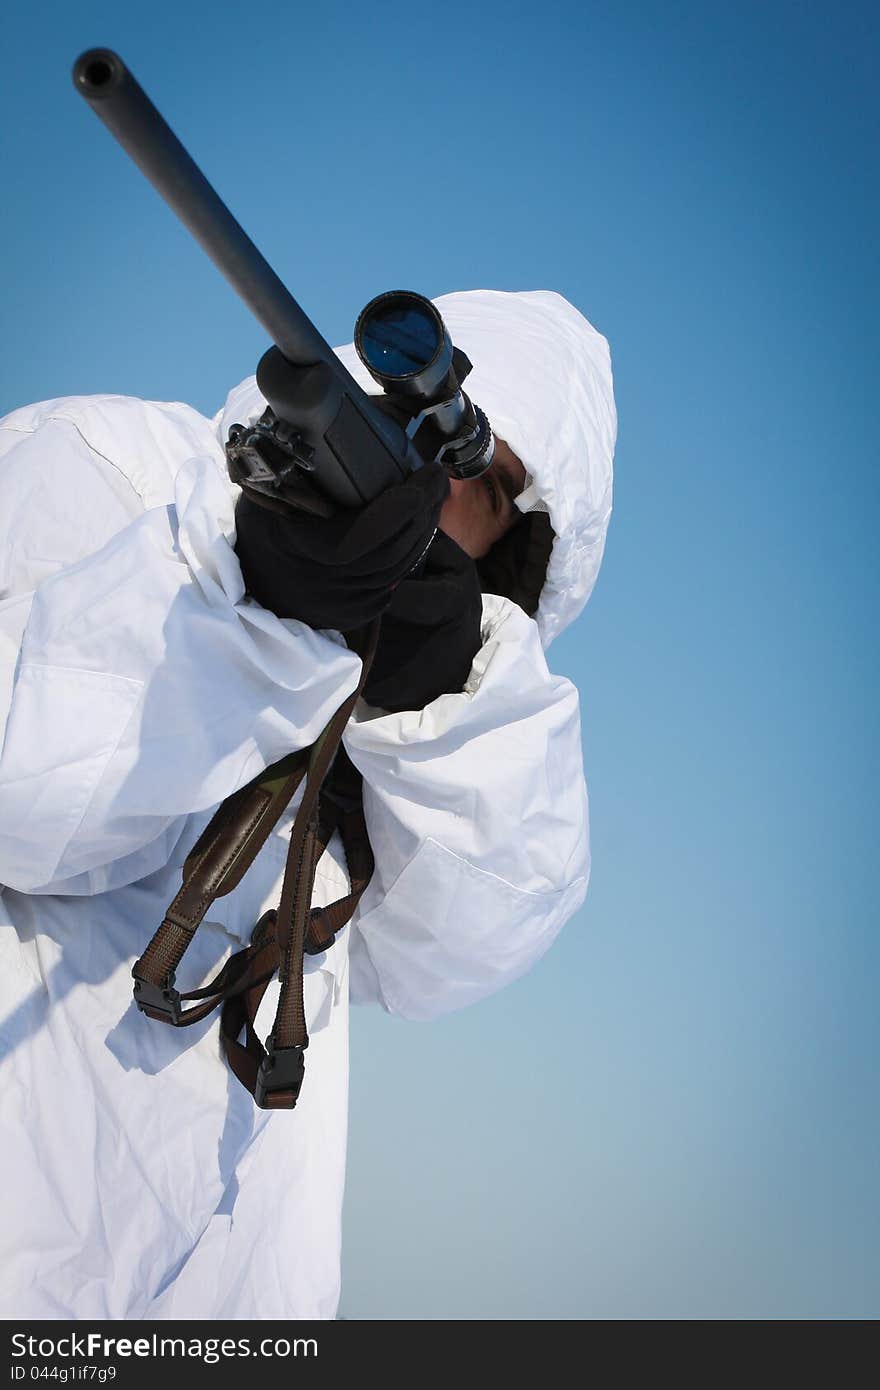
column 139, row 687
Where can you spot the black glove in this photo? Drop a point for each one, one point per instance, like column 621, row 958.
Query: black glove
column 430, row 634
column 338, row 571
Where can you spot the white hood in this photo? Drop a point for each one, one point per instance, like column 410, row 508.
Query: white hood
column 542, row 374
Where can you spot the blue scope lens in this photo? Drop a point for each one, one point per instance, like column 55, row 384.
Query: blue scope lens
column 398, row 339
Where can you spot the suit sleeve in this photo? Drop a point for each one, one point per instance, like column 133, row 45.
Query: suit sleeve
column 477, row 812
column 138, row 683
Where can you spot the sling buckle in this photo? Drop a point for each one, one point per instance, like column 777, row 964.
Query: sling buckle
column 282, row 1069
column 160, row 1001
column 320, row 936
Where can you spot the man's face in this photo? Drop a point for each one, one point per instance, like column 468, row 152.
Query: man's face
column 477, row 513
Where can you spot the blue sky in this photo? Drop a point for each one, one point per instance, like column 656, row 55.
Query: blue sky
column 675, row 1114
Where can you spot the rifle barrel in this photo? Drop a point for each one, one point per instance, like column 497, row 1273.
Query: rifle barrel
column 103, row 79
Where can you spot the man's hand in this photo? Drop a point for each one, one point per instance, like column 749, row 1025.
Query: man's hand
column 338, row 571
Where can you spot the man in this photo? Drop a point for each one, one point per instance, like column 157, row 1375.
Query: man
column 141, row 685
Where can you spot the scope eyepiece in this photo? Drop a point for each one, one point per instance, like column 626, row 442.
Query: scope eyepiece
column 405, row 346
column 403, row 343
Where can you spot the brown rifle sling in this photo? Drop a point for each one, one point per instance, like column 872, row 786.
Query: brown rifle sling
column 218, row 861
column 274, row 1077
